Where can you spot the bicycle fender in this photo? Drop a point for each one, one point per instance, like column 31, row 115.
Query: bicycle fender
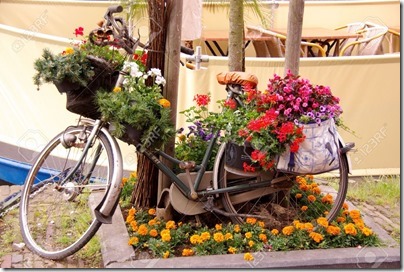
column 106, row 208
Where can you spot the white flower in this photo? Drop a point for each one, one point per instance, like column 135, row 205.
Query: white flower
column 160, row 80
column 154, row 72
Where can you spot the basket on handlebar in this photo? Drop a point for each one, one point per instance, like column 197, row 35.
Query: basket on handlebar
column 81, row 99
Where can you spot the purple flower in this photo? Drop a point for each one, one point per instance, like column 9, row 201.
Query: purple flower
column 318, row 120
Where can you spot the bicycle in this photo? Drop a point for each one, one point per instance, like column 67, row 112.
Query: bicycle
column 83, row 164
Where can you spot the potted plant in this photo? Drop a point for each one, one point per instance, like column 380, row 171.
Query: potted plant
column 137, row 110
column 80, row 71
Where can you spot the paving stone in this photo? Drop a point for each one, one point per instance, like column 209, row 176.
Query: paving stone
column 6, row 261
column 17, row 258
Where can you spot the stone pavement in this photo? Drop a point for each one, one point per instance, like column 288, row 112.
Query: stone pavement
column 117, row 254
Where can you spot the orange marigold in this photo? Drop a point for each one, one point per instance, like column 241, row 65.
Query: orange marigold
column 350, row 229
column 218, row 226
column 164, row 103
column 236, row 228
column 166, row 237
column 232, row 250
column 311, row 198
column 133, row 225
column 316, row 190
column 304, row 208
column 170, row 225
column 251, row 220
column 248, row 235
column 205, row 236
column 132, row 211
column 355, row 214
column 251, row 243
column 308, row 226
column 275, row 232
column 288, row 230
column 298, row 196
column 317, row 237
column 166, row 254
column 333, row 230
column 153, row 233
column 195, row 239
column 261, row 224
column 187, row 252
column 327, row 199
column 345, row 206
column 228, row 236
column 133, row 241
column 152, row 211
column 142, row 230
column 263, row 237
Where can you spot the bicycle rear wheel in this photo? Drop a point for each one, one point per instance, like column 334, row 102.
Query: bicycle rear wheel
column 281, row 202
column 55, row 217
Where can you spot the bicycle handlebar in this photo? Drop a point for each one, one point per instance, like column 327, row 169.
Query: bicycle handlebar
column 115, row 9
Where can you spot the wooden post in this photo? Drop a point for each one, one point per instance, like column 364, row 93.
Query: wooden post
column 171, row 70
column 294, row 35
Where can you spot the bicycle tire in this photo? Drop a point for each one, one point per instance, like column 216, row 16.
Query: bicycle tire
column 282, row 207
column 56, row 221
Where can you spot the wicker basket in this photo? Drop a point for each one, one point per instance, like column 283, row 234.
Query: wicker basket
column 81, row 99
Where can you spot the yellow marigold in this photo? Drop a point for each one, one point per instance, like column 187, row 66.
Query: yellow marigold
column 295, row 222
column 301, row 180
column 164, row 232
column 124, row 181
column 263, row 237
column 151, row 211
column 322, row 221
column 350, row 229
column 179, row 224
column 182, row 137
column 261, row 224
column 236, row 228
column 205, row 236
column 359, row 223
column 327, row 199
column 355, row 214
column 317, row 237
column 228, row 236
column 166, row 237
column 308, row 226
column 142, row 230
column 218, row 226
column 366, row 231
column 68, row 51
column 248, row 257
column 166, row 254
column 232, row 250
column 314, row 185
column 345, row 206
column 194, row 239
column 311, row 198
column 134, row 225
column 133, row 241
column 218, row 237
column 152, row 222
column 251, row 243
column 304, row 208
column 133, row 174
column 299, row 226
column 248, row 235
column 153, row 233
column 251, row 220
column 298, row 196
column 164, row 103
column 132, row 211
column 187, row 252
column 288, row 230
column 341, row 219
column 117, row 89
column 333, row 230
column 275, row 232
column 130, row 218
column 170, row 225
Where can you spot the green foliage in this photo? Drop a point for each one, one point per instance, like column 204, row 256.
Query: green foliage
column 140, row 105
column 73, row 63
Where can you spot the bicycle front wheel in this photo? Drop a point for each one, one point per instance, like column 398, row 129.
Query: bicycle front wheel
column 286, row 197
column 55, row 217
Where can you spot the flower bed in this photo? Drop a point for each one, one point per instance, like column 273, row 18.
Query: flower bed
column 166, row 239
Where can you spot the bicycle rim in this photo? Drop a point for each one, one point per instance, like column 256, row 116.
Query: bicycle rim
column 279, row 204
column 55, row 217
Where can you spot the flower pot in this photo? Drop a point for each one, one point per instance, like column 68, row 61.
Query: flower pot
column 131, row 136
column 81, row 99
column 237, row 155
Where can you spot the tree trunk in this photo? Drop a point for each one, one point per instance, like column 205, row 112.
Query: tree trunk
column 145, row 192
column 295, row 22
column 236, row 36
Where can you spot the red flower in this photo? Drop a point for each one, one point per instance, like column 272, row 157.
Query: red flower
column 202, row 99
column 142, row 58
column 248, row 168
column 79, row 31
column 231, row 104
